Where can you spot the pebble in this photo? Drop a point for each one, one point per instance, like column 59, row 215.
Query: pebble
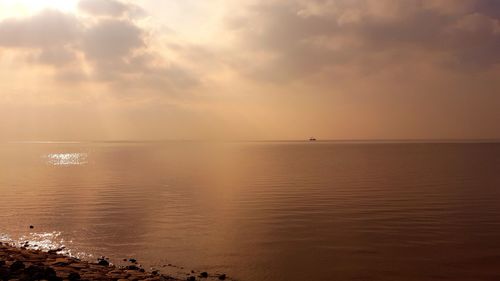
column 25, row 264
column 73, row 276
column 17, row 265
column 103, row 262
column 131, row 267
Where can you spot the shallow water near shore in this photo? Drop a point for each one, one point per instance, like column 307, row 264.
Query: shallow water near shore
column 263, row 210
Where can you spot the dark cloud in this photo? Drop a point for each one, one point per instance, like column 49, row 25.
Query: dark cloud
column 489, row 8
column 111, row 39
column 47, row 29
column 117, row 51
column 299, row 38
column 98, row 50
column 56, row 56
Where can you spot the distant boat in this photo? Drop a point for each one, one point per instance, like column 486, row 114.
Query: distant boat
column 312, row 139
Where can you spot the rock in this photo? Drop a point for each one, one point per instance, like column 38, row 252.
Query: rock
column 78, row 265
column 204, row 274
column 191, row 278
column 4, row 273
column 93, row 276
column 132, row 260
column 50, row 274
column 102, row 262
column 35, row 265
column 61, row 262
column 31, row 227
column 35, row 272
column 55, row 251
column 73, row 276
column 222, row 277
column 131, row 267
column 17, row 265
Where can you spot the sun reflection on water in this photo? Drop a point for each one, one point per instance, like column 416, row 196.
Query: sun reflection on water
column 44, row 241
column 64, row 159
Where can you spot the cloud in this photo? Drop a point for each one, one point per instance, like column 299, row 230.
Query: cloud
column 110, row 8
column 95, row 50
column 56, row 56
column 293, row 39
column 47, row 29
column 490, row 8
column 346, row 68
column 103, row 7
column 111, row 39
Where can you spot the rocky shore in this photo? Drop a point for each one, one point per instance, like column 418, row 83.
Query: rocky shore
column 21, row 264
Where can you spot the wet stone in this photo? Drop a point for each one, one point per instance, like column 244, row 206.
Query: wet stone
column 103, row 262
column 132, row 267
column 4, row 273
column 17, row 265
column 78, row 265
column 61, row 261
column 35, row 265
column 73, row 276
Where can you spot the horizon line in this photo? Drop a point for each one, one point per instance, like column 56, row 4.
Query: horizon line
column 478, row 140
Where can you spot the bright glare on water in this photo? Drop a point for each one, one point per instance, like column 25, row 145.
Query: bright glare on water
column 66, row 158
column 262, row 211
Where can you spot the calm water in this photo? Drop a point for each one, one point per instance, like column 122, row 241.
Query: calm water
column 264, row 211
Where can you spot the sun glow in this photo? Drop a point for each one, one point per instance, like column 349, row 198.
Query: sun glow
column 24, row 7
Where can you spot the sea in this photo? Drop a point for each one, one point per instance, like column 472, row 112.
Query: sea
column 266, row 211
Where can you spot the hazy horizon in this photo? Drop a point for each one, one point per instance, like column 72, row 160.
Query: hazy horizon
column 485, row 140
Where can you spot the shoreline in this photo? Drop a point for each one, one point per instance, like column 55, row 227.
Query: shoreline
column 22, row 264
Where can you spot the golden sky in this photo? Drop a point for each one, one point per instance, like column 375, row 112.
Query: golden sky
column 252, row 69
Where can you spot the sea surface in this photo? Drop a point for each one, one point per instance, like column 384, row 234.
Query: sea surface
column 262, row 210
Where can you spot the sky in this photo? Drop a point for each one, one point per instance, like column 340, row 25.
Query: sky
column 249, row 69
